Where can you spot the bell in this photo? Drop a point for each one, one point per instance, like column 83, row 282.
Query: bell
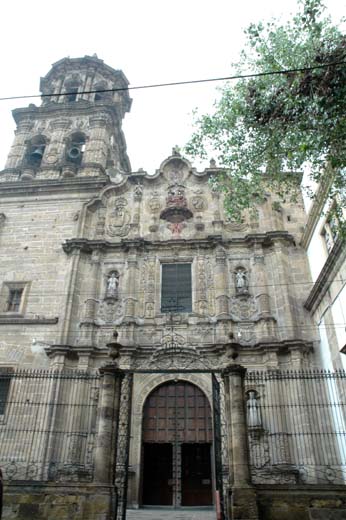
column 37, row 154
column 74, row 153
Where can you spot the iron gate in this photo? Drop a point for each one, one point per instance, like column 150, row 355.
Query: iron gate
column 218, row 444
column 123, row 446
column 124, row 434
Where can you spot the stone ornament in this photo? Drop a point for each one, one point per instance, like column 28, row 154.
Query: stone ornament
column 118, row 219
column 138, row 192
column 246, row 333
column 154, row 204
column 198, row 203
column 111, row 311
column 243, row 308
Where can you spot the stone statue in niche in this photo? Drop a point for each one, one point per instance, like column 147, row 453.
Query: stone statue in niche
column 253, row 411
column 112, row 285
column 241, row 281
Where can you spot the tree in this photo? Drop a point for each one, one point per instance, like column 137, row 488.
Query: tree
column 266, row 128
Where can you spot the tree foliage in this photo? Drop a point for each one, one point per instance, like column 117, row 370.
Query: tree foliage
column 266, row 128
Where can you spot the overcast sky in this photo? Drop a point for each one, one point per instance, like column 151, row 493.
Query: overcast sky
column 152, row 41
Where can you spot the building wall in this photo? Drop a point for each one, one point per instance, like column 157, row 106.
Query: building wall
column 86, row 241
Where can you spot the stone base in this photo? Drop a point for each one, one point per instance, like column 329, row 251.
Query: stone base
column 48, row 501
column 243, row 504
column 302, row 503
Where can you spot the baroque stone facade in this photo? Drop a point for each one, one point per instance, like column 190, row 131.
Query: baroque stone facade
column 87, row 242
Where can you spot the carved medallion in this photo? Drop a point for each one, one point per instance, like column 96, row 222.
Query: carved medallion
column 154, row 204
column 118, row 219
column 242, row 308
column 198, row 203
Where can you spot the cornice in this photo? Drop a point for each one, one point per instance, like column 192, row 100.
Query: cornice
column 8, row 189
column 80, row 107
column 12, row 320
column 210, row 242
column 335, row 259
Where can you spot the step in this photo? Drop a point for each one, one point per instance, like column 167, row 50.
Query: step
column 170, row 514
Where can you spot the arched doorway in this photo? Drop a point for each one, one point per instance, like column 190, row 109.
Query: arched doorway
column 176, row 446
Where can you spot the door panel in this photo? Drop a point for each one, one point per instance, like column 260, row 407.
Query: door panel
column 196, row 485
column 157, row 475
column 177, row 436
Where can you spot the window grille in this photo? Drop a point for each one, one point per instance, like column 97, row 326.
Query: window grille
column 176, row 288
column 4, row 389
column 14, row 300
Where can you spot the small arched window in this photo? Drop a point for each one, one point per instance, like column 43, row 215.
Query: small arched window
column 35, row 151
column 100, row 95
column 75, row 148
column 72, row 94
column 71, row 90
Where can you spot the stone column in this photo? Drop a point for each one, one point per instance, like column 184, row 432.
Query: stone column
column 243, row 497
column 132, row 286
column 97, row 146
column 283, row 298
column 87, row 323
column 221, row 284
column 265, row 329
column 260, row 282
column 107, row 425
column 18, row 148
column 57, row 147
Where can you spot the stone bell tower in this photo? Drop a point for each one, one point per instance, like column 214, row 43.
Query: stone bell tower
column 76, row 131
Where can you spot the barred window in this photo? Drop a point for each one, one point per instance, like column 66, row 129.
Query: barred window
column 14, row 300
column 4, row 390
column 176, row 288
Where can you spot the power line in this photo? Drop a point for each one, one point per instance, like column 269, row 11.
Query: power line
column 178, row 83
column 194, row 291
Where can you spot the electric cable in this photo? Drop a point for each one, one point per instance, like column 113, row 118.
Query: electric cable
column 177, row 83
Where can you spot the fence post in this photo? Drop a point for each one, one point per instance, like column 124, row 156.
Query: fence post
column 243, row 498
column 107, row 427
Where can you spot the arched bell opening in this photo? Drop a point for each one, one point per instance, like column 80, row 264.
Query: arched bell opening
column 177, row 435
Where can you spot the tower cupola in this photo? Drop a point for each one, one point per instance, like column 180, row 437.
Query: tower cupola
column 77, row 129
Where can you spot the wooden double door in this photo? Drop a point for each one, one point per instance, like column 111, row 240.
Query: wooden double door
column 177, row 442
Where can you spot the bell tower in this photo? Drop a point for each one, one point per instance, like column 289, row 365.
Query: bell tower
column 77, row 129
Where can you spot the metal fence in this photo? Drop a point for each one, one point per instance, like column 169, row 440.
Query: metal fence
column 297, row 426
column 47, row 424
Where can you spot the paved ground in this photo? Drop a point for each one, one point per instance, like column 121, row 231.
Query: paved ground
column 164, row 514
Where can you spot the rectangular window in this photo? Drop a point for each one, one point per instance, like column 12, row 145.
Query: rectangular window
column 14, row 300
column 176, row 288
column 4, row 390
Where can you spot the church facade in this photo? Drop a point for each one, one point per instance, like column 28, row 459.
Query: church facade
column 164, row 340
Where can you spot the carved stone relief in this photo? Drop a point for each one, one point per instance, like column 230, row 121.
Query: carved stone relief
column 243, row 308
column 210, row 286
column 118, row 218
column 198, row 203
column 148, row 286
column 246, row 332
column 111, row 311
column 155, row 203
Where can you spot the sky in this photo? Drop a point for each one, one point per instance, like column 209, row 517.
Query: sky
column 151, row 41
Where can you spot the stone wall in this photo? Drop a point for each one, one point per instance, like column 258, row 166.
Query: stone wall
column 287, row 503
column 35, row 501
